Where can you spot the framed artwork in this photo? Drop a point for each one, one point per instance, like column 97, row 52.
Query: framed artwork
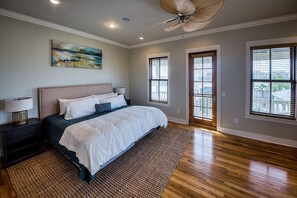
column 72, row 55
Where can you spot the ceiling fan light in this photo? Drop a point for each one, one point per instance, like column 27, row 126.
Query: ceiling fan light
column 191, row 19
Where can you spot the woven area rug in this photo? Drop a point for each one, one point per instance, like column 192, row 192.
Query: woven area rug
column 143, row 171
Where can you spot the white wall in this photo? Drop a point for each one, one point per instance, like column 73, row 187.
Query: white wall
column 233, row 75
column 25, row 63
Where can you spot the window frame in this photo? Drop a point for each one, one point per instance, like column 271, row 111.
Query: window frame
column 157, row 102
column 266, row 44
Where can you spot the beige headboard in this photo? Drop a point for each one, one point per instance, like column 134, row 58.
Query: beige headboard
column 48, row 96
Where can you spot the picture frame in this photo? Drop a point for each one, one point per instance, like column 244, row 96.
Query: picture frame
column 66, row 54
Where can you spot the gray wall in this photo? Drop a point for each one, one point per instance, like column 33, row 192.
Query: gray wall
column 25, row 53
column 233, row 75
column 25, row 66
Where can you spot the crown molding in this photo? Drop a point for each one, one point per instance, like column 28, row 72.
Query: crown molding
column 29, row 19
column 279, row 19
column 48, row 24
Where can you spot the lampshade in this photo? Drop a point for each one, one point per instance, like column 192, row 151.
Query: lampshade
column 18, row 104
column 120, row 90
column 19, row 107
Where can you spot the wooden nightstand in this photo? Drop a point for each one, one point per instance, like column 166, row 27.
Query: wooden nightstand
column 20, row 142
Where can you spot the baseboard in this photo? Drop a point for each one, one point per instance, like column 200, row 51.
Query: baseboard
column 264, row 138
column 177, row 120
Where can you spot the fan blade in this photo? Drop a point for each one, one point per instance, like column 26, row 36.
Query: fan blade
column 173, row 27
column 166, row 21
column 190, row 25
column 186, row 7
column 163, row 22
column 206, row 9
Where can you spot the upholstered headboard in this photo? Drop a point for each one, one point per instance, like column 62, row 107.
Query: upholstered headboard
column 48, row 96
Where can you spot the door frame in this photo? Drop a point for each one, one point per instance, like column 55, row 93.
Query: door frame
column 193, row 120
column 216, row 48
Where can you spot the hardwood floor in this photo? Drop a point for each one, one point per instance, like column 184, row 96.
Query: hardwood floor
column 220, row 165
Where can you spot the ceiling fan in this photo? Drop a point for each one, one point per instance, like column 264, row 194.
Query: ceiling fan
column 191, row 14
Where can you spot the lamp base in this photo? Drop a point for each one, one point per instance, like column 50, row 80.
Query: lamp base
column 19, row 118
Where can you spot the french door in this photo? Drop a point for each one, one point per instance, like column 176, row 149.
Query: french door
column 202, row 85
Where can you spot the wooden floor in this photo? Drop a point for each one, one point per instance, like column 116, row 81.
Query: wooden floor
column 219, row 165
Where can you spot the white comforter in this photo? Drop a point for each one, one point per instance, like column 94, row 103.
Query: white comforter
column 97, row 140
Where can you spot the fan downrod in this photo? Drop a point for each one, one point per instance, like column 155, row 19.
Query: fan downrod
column 182, row 18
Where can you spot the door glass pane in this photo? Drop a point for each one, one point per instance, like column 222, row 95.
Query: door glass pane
column 207, row 75
column 197, row 63
column 203, row 69
column 155, row 68
column 198, row 101
column 197, row 111
column 198, row 87
column 281, row 97
column 207, row 113
column 207, row 62
column 207, row 88
column 207, row 102
column 155, row 90
column 261, row 97
column 281, row 63
column 163, row 90
column 261, row 64
column 198, row 75
column 164, row 68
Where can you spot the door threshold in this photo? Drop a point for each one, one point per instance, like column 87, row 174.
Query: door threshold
column 203, row 126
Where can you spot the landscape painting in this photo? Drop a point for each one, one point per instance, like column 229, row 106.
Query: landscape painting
column 72, row 55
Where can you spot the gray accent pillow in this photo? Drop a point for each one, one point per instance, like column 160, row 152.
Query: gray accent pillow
column 103, row 107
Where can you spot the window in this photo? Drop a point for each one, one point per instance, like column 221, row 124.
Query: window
column 158, row 79
column 273, row 81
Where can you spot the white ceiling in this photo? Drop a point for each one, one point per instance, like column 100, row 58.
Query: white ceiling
column 91, row 16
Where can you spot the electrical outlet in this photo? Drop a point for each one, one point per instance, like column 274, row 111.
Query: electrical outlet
column 236, row 120
column 223, row 94
column 178, row 111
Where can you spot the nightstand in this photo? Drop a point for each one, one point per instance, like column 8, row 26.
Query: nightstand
column 128, row 101
column 20, row 142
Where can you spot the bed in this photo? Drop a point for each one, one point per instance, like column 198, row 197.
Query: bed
column 109, row 134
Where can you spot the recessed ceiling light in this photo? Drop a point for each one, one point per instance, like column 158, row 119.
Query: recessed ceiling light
column 56, row 2
column 141, row 38
column 112, row 25
column 126, row 19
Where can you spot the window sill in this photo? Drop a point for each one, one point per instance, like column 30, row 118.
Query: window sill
column 271, row 119
column 159, row 104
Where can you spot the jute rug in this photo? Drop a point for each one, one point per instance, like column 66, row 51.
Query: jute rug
column 143, row 171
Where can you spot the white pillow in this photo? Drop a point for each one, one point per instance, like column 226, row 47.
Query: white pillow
column 116, row 102
column 102, row 96
column 81, row 108
column 64, row 103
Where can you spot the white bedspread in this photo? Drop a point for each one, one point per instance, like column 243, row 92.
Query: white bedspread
column 98, row 140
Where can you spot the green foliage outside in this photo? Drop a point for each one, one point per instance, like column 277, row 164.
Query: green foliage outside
column 275, row 87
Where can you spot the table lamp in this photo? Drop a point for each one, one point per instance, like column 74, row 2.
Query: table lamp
column 120, row 90
column 19, row 108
